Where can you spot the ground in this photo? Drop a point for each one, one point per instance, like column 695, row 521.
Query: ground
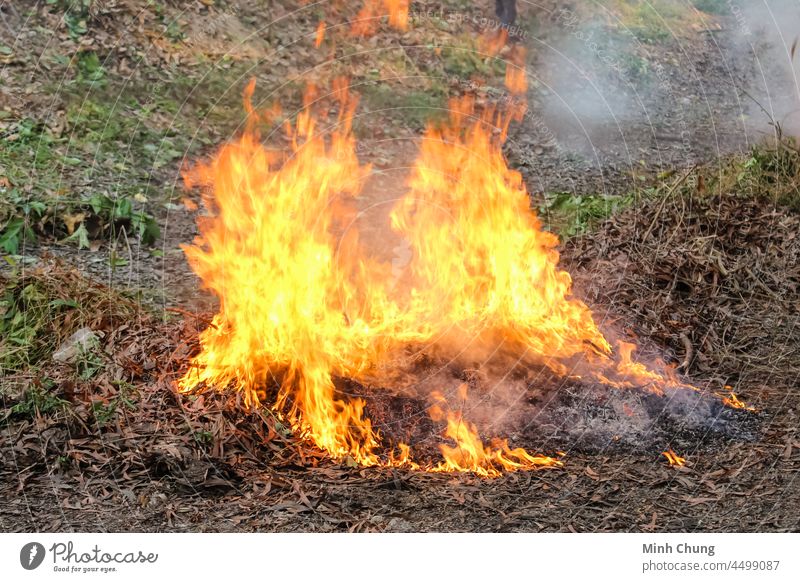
column 675, row 229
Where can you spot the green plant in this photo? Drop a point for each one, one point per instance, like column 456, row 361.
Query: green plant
column 415, row 108
column 712, row 6
column 76, row 14
column 89, row 67
column 89, row 361
column 23, row 319
column 203, row 437
column 571, row 215
column 38, row 399
column 41, row 309
column 104, row 411
column 468, row 61
column 120, row 211
column 773, row 171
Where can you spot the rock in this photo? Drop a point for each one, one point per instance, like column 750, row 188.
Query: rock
column 79, row 342
column 399, row 525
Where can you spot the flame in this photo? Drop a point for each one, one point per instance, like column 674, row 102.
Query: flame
column 673, row 458
column 301, row 306
column 368, row 18
column 516, row 80
column 470, row 454
column 268, row 254
column 483, row 267
column 319, row 35
column 730, row 399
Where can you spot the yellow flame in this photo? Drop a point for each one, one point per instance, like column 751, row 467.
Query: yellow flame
column 673, row 458
column 730, row 399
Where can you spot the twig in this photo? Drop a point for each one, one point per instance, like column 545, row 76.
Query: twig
column 689, row 352
column 190, row 314
column 669, row 193
column 761, row 284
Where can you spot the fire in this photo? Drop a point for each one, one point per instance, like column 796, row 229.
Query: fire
column 483, row 267
column 367, row 20
column 319, row 35
column 733, row 401
column 268, row 254
column 674, row 459
column 301, row 306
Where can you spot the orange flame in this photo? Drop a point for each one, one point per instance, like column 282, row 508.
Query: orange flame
column 730, row 399
column 516, row 79
column 319, row 35
column 471, row 455
column 368, row 18
column 674, row 459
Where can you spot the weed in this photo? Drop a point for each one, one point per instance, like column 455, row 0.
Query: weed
column 30, row 205
column 89, row 68
column 76, row 14
column 105, row 411
column 770, row 171
column 650, row 21
column 89, row 361
column 466, row 60
column 415, row 108
column 203, row 437
column 572, row 215
column 38, row 399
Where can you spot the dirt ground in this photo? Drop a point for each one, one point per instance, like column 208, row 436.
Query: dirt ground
column 705, row 262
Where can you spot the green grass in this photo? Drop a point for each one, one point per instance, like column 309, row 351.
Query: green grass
column 712, row 6
column 41, row 309
column 570, row 215
column 38, row 399
column 467, row 61
column 414, row 108
column 105, row 158
column 771, row 172
column 650, row 21
column 105, row 411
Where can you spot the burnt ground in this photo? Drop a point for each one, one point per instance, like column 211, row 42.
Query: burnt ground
column 709, row 262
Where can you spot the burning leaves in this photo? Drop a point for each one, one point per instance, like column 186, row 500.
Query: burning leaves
column 300, row 306
column 674, row 459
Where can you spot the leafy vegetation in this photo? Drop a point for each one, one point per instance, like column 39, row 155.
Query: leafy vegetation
column 105, row 411
column 76, row 14
column 571, row 215
column 33, row 164
column 38, row 399
column 770, row 173
column 650, row 21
